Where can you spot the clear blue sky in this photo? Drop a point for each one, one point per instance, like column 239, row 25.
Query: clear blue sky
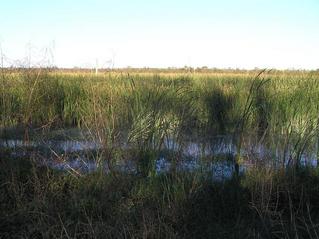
column 228, row 33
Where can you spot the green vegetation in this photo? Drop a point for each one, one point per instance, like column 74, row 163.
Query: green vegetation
column 132, row 116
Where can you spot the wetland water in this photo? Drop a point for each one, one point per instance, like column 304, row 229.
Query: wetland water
column 215, row 155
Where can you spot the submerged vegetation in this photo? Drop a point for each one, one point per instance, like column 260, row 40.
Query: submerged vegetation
column 269, row 120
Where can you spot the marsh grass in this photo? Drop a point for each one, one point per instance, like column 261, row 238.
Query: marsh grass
column 218, row 100
column 101, row 124
column 133, row 116
column 39, row 202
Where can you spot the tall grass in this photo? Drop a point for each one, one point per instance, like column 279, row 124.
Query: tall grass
column 218, row 100
column 39, row 202
column 137, row 116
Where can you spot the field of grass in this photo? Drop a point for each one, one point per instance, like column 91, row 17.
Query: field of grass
column 132, row 115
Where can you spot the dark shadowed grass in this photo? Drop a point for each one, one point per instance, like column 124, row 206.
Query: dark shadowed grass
column 39, row 202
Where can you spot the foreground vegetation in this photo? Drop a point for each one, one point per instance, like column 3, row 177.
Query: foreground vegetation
column 40, row 203
column 132, row 116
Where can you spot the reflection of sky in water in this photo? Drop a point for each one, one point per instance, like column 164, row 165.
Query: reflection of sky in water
column 191, row 152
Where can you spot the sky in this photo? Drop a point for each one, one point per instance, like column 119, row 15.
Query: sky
column 281, row 34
